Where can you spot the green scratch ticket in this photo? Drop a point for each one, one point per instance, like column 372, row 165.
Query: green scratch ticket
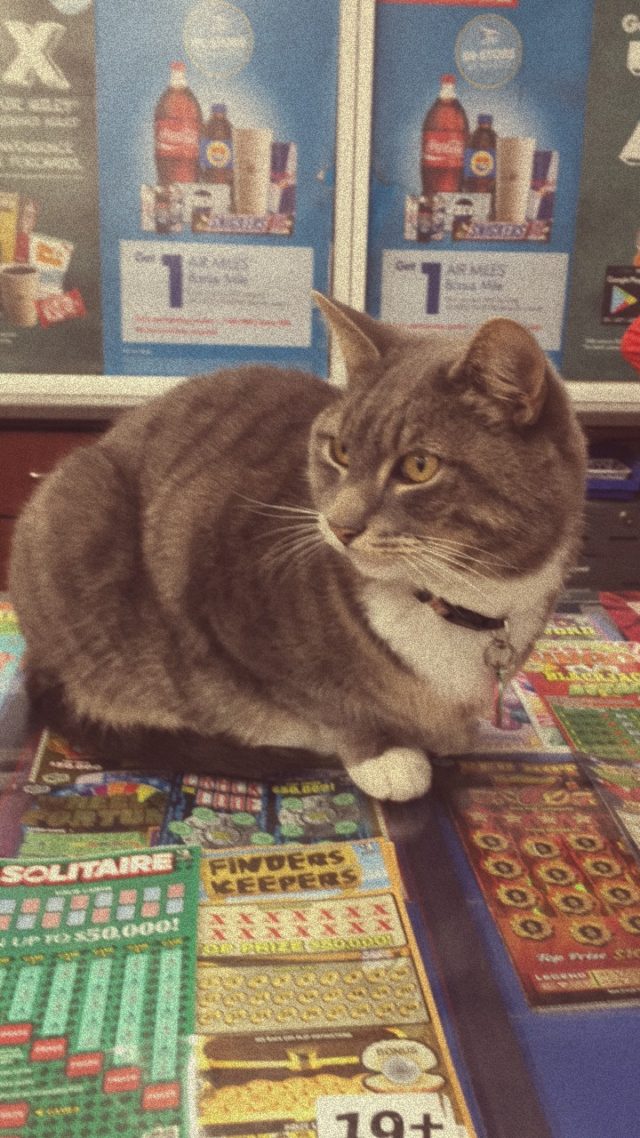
column 97, row 983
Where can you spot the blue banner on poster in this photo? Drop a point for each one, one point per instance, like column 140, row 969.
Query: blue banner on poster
column 476, row 153
column 217, row 138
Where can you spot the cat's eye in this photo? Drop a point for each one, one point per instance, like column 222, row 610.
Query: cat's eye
column 338, row 451
column 418, row 468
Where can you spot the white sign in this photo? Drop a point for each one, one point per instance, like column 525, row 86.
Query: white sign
column 389, row 1116
column 179, row 293
column 457, row 292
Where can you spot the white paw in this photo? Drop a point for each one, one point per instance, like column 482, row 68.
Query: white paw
column 397, row 774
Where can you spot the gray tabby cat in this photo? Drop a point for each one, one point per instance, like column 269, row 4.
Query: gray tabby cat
column 263, row 557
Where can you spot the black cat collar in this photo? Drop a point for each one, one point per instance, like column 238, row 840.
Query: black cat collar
column 457, row 614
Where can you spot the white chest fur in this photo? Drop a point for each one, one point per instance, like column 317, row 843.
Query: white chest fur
column 450, row 658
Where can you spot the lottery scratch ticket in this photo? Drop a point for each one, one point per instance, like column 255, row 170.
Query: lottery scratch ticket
column 618, row 784
column 11, row 649
column 624, row 609
column 218, row 813
column 97, row 985
column 607, row 728
column 310, row 988
column 77, row 805
column 602, row 668
column 560, row 883
column 590, row 623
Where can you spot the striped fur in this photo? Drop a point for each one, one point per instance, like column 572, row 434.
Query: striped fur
column 182, row 572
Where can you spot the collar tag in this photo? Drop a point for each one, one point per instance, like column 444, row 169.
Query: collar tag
column 499, row 655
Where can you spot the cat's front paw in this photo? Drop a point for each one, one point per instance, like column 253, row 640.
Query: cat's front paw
column 398, row 774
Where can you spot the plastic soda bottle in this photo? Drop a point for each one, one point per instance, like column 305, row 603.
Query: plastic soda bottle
column 445, row 137
column 178, row 123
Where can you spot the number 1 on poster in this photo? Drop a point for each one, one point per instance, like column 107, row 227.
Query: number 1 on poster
column 173, row 262
column 433, row 272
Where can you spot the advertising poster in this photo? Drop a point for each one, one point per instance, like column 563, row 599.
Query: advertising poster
column 605, row 281
column 476, row 149
column 217, row 137
column 49, row 222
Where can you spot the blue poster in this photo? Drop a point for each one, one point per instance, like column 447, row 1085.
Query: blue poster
column 477, row 141
column 216, row 125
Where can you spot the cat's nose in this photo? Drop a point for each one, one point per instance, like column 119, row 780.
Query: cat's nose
column 343, row 533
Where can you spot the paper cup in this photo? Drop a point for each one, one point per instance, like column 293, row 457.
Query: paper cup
column 19, row 292
column 251, row 169
column 514, row 168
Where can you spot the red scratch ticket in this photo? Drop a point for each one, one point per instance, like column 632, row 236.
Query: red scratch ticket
column 561, row 884
column 602, row 668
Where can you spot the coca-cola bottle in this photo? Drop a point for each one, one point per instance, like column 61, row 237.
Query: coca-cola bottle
column 178, row 122
column 445, row 137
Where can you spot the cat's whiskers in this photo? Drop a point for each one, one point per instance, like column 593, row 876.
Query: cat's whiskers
column 270, row 508
column 298, row 533
column 292, row 558
column 452, row 558
column 462, row 552
column 444, row 568
column 293, row 527
column 433, row 559
column 300, row 541
column 292, row 536
column 462, row 559
column 491, row 567
column 467, row 550
column 305, row 554
column 404, row 551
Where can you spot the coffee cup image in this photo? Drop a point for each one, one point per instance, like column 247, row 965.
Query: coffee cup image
column 19, row 292
column 251, row 169
column 514, row 168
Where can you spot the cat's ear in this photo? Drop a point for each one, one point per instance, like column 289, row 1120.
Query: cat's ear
column 363, row 340
column 506, row 363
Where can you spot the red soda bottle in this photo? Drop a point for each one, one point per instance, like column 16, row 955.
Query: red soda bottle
column 445, row 137
column 178, row 122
